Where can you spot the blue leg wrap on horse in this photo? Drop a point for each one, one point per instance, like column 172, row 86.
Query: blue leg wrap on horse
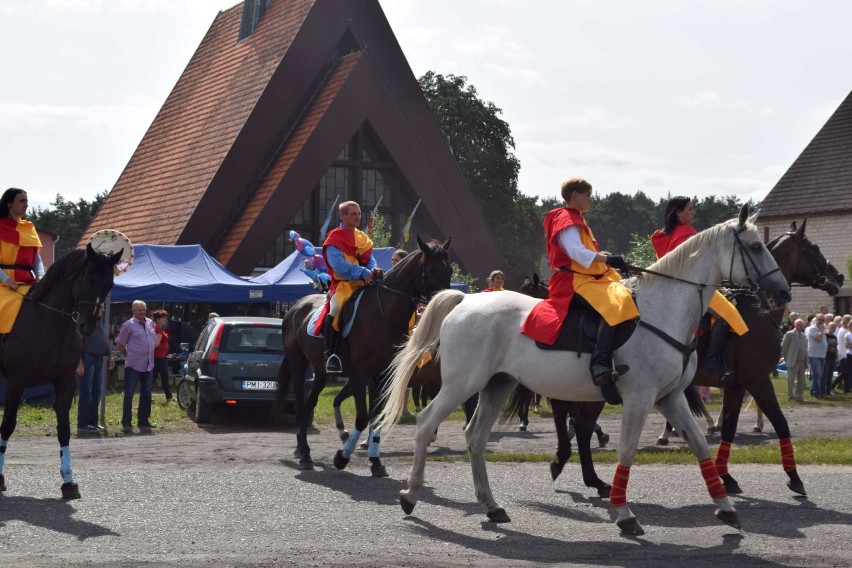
column 351, row 443
column 3, row 444
column 65, row 464
column 375, row 441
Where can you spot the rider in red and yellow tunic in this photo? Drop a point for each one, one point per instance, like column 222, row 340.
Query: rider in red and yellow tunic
column 676, row 230
column 348, row 252
column 19, row 255
column 580, row 270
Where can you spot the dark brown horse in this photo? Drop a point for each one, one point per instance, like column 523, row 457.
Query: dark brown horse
column 379, row 327
column 803, row 264
column 44, row 345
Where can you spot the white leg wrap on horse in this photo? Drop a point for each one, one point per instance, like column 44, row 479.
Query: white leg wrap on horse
column 351, row 443
column 65, row 464
column 3, row 444
column 373, row 449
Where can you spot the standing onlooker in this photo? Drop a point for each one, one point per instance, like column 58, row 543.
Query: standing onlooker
column 161, row 349
column 790, row 323
column 817, row 347
column 830, row 358
column 496, row 280
column 842, row 366
column 794, row 349
column 95, row 348
column 136, row 342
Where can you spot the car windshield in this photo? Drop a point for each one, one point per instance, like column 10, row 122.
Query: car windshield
column 252, row 339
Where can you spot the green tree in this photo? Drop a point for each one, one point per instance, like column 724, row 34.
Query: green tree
column 381, row 234
column 640, row 251
column 68, row 220
column 482, row 144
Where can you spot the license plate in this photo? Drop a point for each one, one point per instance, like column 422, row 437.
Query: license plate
column 260, row 385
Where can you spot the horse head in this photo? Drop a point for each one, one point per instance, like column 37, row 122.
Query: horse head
column 751, row 262
column 92, row 284
column 802, row 262
column 435, row 269
column 535, row 287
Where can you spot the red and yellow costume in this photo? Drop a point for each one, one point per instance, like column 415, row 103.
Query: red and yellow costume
column 664, row 243
column 357, row 248
column 19, row 246
column 599, row 284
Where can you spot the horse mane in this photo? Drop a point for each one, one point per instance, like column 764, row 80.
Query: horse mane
column 60, row 272
column 675, row 261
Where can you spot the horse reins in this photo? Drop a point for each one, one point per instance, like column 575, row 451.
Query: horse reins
column 804, row 246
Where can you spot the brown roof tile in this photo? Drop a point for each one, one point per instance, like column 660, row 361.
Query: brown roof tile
column 183, row 149
column 820, row 180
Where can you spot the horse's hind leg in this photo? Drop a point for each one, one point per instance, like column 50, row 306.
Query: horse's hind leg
column 663, row 440
column 764, row 397
column 675, row 408
column 62, row 406
column 10, row 420
column 584, row 425
column 491, row 400
column 563, row 438
column 344, row 393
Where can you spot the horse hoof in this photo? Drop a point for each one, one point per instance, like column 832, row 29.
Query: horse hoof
column 339, row 461
column 797, row 487
column 630, row 527
column 757, row 430
column 406, row 504
column 712, row 430
column 604, row 490
column 378, row 470
column 2, row 483
column 603, row 440
column 732, row 487
column 662, row 441
column 522, row 428
column 70, row 490
column 344, row 435
column 555, row 470
column 498, row 515
column 307, row 465
column 728, row 517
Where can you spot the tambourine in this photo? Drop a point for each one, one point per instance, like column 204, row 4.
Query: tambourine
column 110, row 241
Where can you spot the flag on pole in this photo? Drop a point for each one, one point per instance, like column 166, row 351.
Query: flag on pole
column 324, row 228
column 405, row 230
column 373, row 216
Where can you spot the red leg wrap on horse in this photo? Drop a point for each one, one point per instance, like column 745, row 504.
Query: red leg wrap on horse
column 722, row 456
column 618, row 493
column 788, row 457
column 711, row 478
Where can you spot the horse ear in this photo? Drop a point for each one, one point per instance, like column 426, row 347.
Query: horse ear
column 801, row 231
column 423, row 246
column 743, row 214
column 753, row 217
column 446, row 245
column 536, row 278
column 792, row 228
column 90, row 252
column 115, row 258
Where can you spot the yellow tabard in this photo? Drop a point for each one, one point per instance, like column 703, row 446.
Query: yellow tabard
column 10, row 305
column 728, row 312
column 612, row 300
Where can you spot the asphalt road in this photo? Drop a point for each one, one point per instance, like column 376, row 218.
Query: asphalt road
column 225, row 496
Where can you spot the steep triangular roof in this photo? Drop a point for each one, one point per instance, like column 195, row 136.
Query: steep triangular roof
column 252, row 125
column 820, row 180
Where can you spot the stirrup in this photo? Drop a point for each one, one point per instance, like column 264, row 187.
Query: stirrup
column 333, row 366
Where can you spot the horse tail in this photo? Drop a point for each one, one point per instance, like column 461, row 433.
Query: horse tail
column 425, row 339
column 520, row 398
column 696, row 405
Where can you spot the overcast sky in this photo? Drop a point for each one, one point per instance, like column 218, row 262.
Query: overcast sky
column 695, row 98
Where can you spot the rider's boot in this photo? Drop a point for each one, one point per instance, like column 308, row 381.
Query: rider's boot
column 714, row 362
column 604, row 373
column 333, row 366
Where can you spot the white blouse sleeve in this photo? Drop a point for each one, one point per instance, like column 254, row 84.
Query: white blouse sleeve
column 569, row 240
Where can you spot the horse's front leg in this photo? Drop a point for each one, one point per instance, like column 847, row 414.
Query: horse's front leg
column 584, row 425
column 358, row 382
column 764, row 397
column 675, row 408
column 491, row 400
column 14, row 391
column 635, row 412
column 374, row 438
column 732, row 402
column 344, row 393
column 62, row 406
column 563, row 437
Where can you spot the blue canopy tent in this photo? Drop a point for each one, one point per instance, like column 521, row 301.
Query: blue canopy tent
column 290, row 283
column 183, row 273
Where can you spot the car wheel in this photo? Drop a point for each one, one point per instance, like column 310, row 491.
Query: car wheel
column 203, row 410
column 185, row 396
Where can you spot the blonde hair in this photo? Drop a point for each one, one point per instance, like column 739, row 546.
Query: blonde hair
column 344, row 207
column 574, row 185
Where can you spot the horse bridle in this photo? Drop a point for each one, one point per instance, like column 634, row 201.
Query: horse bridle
column 418, row 298
column 805, row 245
column 74, row 315
column 754, row 285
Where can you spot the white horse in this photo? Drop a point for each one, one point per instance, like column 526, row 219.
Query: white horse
column 478, row 344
